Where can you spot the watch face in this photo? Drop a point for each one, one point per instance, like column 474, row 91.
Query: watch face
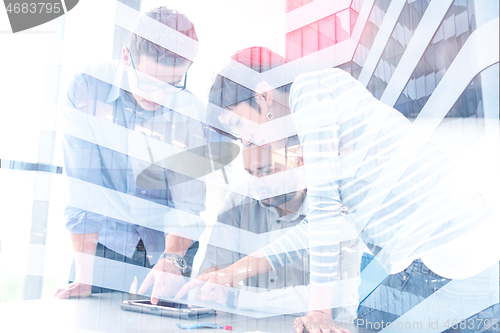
column 181, row 263
column 178, row 262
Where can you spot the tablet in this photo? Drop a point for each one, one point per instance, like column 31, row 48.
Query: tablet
column 166, row 309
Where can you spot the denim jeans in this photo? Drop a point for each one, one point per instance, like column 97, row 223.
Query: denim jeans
column 399, row 293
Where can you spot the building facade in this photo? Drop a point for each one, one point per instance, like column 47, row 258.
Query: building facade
column 404, row 49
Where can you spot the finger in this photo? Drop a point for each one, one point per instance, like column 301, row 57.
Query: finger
column 334, row 327
column 314, row 327
column 206, row 291
column 310, row 325
column 148, row 281
column 58, row 291
column 169, row 289
column 205, row 276
column 299, row 325
column 156, row 293
column 70, row 291
column 62, row 293
column 66, row 292
column 188, row 286
column 325, row 327
column 209, row 285
column 177, row 284
column 76, row 292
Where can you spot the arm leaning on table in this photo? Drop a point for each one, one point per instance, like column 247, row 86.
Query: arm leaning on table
column 82, row 163
column 264, row 260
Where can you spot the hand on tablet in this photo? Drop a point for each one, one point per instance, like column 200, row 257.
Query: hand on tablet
column 167, row 280
column 213, row 286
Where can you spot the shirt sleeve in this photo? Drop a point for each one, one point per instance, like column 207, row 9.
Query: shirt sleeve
column 288, row 248
column 316, row 115
column 189, row 195
column 217, row 256
column 82, row 160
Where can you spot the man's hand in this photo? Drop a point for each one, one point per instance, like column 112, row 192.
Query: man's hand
column 211, row 285
column 74, row 289
column 167, row 280
column 84, row 246
column 318, row 321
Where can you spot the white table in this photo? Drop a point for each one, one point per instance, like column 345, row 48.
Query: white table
column 102, row 313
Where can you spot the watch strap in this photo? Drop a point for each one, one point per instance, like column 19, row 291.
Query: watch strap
column 230, row 296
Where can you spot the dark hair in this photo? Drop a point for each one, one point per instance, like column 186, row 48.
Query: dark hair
column 226, row 93
column 138, row 45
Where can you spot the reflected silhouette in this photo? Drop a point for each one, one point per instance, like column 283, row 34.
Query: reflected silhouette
column 191, row 164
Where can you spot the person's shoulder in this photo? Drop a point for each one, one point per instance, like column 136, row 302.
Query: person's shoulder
column 240, row 196
column 92, row 82
column 188, row 107
column 330, row 79
column 96, row 72
column 323, row 74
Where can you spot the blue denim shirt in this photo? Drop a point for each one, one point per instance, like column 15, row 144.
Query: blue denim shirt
column 103, row 126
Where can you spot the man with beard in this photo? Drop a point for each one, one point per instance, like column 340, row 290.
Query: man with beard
column 271, row 214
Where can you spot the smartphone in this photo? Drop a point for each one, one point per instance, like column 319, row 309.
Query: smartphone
column 167, row 309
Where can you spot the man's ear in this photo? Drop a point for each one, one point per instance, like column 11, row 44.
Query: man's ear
column 125, row 56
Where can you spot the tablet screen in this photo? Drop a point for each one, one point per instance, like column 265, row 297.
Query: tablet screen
column 164, row 304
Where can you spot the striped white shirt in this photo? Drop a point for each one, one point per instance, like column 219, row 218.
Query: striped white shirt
column 365, row 166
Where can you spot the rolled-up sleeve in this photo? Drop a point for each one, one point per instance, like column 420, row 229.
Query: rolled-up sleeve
column 290, row 247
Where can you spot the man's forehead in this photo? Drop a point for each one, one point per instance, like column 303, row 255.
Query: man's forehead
column 150, row 65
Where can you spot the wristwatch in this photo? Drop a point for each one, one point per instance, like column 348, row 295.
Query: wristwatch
column 178, row 262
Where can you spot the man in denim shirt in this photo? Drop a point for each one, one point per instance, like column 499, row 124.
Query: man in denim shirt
column 125, row 122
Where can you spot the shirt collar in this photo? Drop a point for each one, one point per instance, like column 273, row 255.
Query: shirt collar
column 292, row 216
column 119, row 81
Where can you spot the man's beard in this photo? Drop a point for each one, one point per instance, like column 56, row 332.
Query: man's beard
column 280, row 199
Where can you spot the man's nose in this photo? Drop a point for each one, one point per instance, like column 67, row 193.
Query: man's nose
column 157, row 94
